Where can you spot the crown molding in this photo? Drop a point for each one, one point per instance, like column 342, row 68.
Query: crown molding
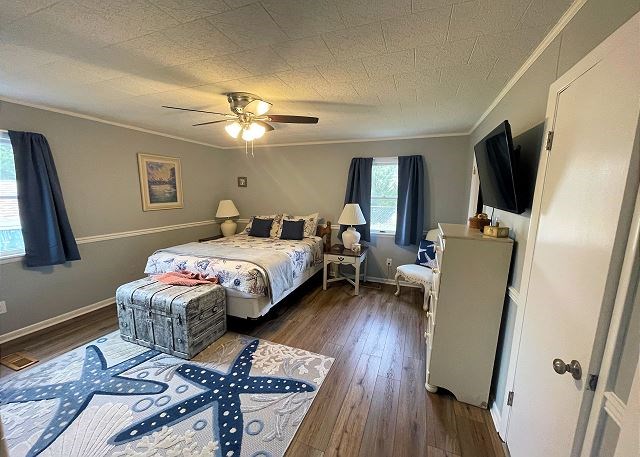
column 355, row 140
column 537, row 52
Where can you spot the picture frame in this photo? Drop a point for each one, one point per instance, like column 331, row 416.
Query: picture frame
column 160, row 182
column 242, row 181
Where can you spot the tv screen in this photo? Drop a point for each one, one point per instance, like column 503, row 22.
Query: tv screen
column 496, row 160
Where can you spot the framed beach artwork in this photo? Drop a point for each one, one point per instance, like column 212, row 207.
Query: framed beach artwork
column 160, row 182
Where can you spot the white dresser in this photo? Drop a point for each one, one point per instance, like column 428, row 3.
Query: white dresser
column 465, row 309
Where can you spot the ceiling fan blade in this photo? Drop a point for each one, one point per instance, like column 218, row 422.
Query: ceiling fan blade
column 207, row 123
column 195, row 110
column 283, row 118
column 267, row 127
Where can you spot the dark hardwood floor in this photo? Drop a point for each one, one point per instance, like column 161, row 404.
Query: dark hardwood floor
column 373, row 401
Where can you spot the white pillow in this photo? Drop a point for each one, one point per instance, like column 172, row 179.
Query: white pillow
column 310, row 223
column 275, row 227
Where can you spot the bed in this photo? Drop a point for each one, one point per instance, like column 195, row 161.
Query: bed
column 257, row 273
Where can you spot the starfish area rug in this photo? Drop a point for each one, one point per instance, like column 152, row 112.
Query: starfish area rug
column 240, row 397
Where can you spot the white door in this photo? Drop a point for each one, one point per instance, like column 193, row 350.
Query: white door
column 576, row 256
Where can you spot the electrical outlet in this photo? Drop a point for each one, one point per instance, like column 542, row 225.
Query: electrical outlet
column 389, row 261
column 3, row 307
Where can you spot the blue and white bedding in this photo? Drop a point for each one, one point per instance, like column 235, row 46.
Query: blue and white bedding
column 250, row 265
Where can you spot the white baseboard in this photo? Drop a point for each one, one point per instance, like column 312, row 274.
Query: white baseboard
column 55, row 320
column 496, row 415
column 391, row 281
column 379, row 280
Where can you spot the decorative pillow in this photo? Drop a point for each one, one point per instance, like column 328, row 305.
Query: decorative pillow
column 310, row 222
column 261, row 228
column 426, row 254
column 275, row 227
column 292, row 230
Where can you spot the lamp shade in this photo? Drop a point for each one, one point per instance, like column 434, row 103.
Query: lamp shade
column 352, row 215
column 226, row 208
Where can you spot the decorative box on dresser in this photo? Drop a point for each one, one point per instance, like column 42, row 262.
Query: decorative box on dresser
column 465, row 310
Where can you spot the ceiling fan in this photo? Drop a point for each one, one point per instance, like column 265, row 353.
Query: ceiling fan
column 249, row 119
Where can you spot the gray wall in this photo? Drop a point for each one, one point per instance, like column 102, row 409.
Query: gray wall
column 525, row 106
column 306, row 179
column 98, row 171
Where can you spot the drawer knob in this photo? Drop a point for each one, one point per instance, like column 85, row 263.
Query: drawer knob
column 340, row 259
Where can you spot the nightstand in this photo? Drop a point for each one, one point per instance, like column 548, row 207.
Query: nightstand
column 210, row 238
column 341, row 256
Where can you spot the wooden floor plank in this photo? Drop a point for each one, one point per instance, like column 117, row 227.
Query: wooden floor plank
column 317, row 427
column 299, row 449
column 350, row 424
column 411, row 434
column 435, row 452
column 393, row 353
column 442, row 430
column 469, row 411
column 379, row 432
column 473, row 437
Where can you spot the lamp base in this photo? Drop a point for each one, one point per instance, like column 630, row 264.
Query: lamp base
column 228, row 228
column 350, row 236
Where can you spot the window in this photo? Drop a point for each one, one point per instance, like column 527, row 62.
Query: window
column 11, row 242
column 384, row 194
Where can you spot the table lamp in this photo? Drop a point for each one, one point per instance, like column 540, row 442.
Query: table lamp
column 227, row 210
column 351, row 215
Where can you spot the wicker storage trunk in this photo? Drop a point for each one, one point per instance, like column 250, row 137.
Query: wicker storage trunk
column 178, row 320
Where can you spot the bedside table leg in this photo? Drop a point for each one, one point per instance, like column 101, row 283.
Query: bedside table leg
column 324, row 276
column 366, row 262
column 357, row 277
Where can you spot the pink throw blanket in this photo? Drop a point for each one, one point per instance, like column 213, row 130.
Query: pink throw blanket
column 185, row 278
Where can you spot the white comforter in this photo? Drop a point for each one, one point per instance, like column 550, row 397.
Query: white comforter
column 240, row 275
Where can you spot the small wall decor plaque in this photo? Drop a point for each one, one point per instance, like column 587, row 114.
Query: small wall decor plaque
column 242, row 181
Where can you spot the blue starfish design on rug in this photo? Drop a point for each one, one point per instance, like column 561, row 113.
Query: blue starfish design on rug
column 223, row 395
column 75, row 395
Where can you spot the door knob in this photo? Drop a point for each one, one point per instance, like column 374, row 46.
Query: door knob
column 574, row 368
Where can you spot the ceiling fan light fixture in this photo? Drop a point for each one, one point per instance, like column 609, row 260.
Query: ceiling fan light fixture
column 257, row 107
column 247, row 135
column 233, row 129
column 256, row 130
column 262, row 107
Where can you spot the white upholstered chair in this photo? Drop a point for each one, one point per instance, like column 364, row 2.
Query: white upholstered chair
column 417, row 274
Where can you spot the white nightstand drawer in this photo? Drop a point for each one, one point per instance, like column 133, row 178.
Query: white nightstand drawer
column 343, row 260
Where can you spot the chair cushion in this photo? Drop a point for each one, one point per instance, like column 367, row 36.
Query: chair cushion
column 426, row 254
column 416, row 273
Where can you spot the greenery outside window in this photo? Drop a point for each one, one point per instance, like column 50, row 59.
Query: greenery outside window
column 11, row 242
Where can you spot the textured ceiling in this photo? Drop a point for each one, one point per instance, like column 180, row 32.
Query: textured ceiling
column 366, row 68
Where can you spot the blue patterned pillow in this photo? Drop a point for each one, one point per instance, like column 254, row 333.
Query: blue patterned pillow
column 426, row 254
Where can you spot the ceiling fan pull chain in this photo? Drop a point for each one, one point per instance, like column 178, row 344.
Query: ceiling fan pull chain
column 252, row 155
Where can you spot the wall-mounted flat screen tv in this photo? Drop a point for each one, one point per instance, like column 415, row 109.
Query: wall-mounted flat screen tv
column 497, row 163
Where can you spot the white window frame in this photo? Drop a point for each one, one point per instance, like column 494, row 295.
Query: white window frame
column 384, row 161
column 7, row 257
